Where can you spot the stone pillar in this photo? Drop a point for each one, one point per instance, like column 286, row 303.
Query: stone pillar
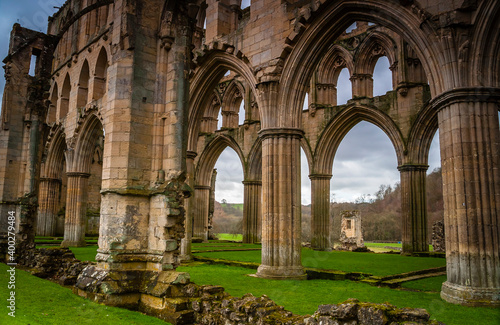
column 281, row 214
column 470, row 140
column 76, row 209
column 252, row 211
column 211, row 204
column 320, row 212
column 200, row 218
column 48, row 201
column 362, row 85
column 414, row 208
column 189, row 203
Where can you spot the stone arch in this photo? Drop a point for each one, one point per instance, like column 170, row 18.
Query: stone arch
column 410, row 22
column 421, row 135
column 86, row 134
column 54, row 153
column 52, row 111
column 206, row 78
column 51, row 192
column 332, row 63
column 82, row 95
column 254, row 164
column 233, row 96
column 64, row 97
column 323, row 88
column 484, row 55
column 373, row 47
column 100, row 74
column 210, row 155
column 342, row 123
column 211, row 113
column 304, row 144
column 79, row 158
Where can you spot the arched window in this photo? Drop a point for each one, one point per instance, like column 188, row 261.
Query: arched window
column 100, row 75
column 382, row 77
column 305, row 106
column 64, row 100
column 83, row 86
column 241, row 113
column 344, row 87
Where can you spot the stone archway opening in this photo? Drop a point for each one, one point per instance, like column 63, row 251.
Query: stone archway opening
column 228, row 199
column 361, row 168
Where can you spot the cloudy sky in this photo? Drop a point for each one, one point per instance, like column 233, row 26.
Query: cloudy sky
column 364, row 160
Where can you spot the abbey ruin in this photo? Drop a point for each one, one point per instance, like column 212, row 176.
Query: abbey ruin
column 120, row 119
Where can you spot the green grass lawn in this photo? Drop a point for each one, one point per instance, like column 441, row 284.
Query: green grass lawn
column 221, row 245
column 86, row 253
column 303, row 297
column 376, row 264
column 428, row 284
column 40, row 301
column 232, row 237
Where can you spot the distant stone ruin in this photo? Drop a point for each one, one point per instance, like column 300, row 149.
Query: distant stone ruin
column 351, row 233
column 438, row 240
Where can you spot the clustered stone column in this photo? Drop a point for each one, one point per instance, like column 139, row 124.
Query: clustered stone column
column 320, row 211
column 189, row 205
column 251, row 211
column 414, row 208
column 470, row 138
column 281, row 214
column 76, row 209
column 47, row 208
column 200, row 218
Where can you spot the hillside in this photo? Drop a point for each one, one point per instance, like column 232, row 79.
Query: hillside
column 381, row 215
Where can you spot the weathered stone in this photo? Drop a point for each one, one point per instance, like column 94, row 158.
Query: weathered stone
column 351, row 234
column 156, row 86
column 438, row 237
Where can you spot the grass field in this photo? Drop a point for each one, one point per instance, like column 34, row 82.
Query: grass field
column 232, row 237
column 429, row 284
column 376, row 264
column 40, row 301
column 303, row 297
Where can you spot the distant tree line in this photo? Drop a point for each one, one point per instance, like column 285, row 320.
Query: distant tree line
column 380, row 212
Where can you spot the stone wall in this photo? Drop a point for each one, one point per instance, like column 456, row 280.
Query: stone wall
column 438, row 239
column 351, row 234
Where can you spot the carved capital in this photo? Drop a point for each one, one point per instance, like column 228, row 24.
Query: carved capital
column 467, row 95
column 280, row 133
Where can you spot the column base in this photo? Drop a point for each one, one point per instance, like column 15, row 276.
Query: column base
column 161, row 294
column 470, row 296
column 72, row 243
column 281, row 272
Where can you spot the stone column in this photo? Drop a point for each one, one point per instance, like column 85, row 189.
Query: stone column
column 189, row 204
column 414, row 208
column 362, row 85
column 48, row 199
column 320, row 212
column 200, row 218
column 252, row 211
column 470, row 141
column 281, row 214
column 211, row 204
column 76, row 209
